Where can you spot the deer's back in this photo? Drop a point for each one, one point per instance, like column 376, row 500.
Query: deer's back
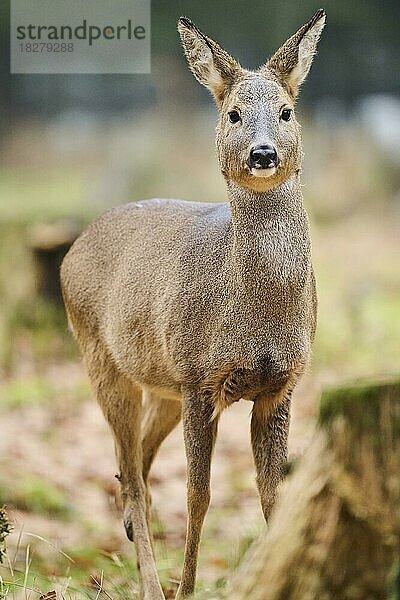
column 127, row 276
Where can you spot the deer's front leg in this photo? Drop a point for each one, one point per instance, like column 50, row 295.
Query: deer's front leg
column 199, row 435
column 269, row 433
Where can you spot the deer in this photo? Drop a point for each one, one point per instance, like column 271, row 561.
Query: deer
column 183, row 308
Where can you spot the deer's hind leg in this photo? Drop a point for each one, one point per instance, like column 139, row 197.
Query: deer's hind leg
column 160, row 417
column 121, row 403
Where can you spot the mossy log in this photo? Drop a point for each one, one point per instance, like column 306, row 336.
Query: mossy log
column 335, row 532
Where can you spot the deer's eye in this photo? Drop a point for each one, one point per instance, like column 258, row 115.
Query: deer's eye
column 234, row 116
column 286, row 114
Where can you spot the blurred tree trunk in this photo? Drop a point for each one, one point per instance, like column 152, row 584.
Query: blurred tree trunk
column 335, row 532
column 49, row 244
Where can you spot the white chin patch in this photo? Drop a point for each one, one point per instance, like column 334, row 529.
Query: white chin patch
column 263, row 172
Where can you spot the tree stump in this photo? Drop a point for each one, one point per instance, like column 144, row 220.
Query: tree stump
column 335, row 532
column 49, row 244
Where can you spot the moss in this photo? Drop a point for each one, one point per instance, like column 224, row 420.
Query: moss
column 394, row 584
column 363, row 399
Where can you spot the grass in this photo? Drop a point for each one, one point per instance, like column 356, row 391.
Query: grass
column 75, row 575
column 29, row 325
column 25, row 391
column 88, row 572
column 358, row 334
column 38, row 565
column 43, row 194
column 37, row 495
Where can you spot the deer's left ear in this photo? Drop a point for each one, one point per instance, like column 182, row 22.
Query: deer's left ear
column 292, row 62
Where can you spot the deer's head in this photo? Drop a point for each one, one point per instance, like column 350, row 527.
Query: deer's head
column 258, row 137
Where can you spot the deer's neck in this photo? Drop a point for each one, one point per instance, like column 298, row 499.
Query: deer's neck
column 270, row 235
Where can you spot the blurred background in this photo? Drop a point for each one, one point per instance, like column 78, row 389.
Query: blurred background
column 72, row 146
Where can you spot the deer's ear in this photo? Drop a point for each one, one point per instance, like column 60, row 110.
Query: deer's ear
column 209, row 63
column 292, row 62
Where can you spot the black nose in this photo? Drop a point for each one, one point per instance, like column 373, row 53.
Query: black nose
column 262, row 157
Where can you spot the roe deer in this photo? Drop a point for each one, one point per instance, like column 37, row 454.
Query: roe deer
column 183, row 308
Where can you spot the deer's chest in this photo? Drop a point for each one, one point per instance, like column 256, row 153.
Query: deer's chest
column 266, row 380
column 258, row 354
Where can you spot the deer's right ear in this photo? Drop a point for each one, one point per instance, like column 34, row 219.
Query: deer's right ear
column 209, row 63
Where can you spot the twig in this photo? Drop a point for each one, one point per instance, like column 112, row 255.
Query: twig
column 100, row 585
column 27, row 565
column 101, row 589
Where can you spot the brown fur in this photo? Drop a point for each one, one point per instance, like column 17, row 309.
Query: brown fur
column 184, row 308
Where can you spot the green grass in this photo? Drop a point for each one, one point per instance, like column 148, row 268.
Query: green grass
column 44, row 325
column 36, row 495
column 27, row 320
column 22, row 392
column 37, row 564
column 83, row 577
column 43, row 194
column 81, row 572
column 359, row 336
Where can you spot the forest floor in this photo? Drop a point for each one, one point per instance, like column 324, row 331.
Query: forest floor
column 58, row 460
